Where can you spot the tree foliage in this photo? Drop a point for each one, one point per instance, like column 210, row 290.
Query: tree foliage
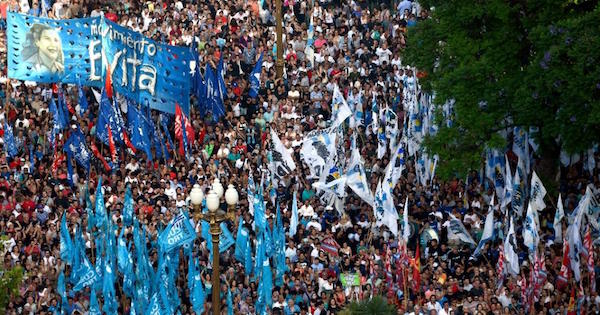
column 10, row 279
column 375, row 306
column 528, row 63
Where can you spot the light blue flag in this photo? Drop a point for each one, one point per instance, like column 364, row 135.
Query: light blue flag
column 100, row 217
column 122, row 254
column 158, row 305
column 62, row 291
column 259, row 257
column 294, row 220
column 94, row 307
column 229, row 302
column 83, row 104
column 255, row 78
column 87, row 275
column 248, row 257
column 260, row 219
column 226, row 240
column 269, row 242
column 66, row 245
column 214, row 97
column 128, row 207
column 179, row 232
column 241, row 241
column 196, row 288
column 267, row 280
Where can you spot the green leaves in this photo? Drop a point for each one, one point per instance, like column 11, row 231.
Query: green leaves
column 532, row 63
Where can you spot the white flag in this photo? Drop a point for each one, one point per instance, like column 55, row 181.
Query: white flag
column 385, row 211
column 457, row 230
column 357, row 178
column 394, row 169
column 337, row 186
column 339, row 108
column 530, row 229
column 557, row 224
column 317, row 149
column 538, row 191
column 488, row 229
column 406, row 231
column 510, row 243
column 508, row 185
column 282, row 163
column 574, row 233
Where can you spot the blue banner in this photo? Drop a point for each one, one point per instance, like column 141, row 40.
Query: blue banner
column 77, row 51
column 179, row 232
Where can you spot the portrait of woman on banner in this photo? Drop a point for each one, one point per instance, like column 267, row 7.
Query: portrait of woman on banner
column 43, row 49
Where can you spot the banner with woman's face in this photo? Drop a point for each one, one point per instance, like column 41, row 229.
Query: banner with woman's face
column 78, row 51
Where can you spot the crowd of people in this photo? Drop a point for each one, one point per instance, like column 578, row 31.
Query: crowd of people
column 358, row 47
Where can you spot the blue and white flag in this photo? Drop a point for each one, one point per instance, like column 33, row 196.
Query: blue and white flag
column 508, row 185
column 128, row 207
column 94, row 307
column 557, row 224
column 531, row 236
column 488, row 229
column 318, row 148
column 521, row 146
column 538, row 192
column 510, row 245
column 340, row 110
column 75, row 145
column 83, row 103
column 9, row 141
column 385, row 211
column 456, row 230
column 255, row 78
column 229, row 302
column 100, row 217
column 282, row 163
column 356, row 178
column 518, row 198
column 87, row 275
column 573, row 234
column 62, row 291
column 179, row 232
column 139, row 128
column 294, row 220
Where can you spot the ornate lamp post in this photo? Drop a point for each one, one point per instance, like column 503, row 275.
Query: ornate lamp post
column 214, row 217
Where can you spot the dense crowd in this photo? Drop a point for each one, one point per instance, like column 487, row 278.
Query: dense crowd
column 358, row 47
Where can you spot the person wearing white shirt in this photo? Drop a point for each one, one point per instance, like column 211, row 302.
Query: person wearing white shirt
column 306, row 210
column 291, row 252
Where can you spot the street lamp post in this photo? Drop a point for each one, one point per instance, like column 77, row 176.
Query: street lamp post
column 279, row 33
column 214, row 217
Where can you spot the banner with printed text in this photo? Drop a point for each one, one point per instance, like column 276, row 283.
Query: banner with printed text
column 77, row 51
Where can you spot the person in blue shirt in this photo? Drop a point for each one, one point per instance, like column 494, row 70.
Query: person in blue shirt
column 291, row 308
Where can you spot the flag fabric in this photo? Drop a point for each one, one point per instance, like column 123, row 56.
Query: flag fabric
column 100, row 215
column 573, row 235
column 500, row 266
column 108, row 82
column 9, row 141
column 587, row 243
column 385, row 211
column 330, row 246
column 538, row 191
column 229, row 302
column 558, row 216
column 66, row 244
column 70, row 170
column 87, row 275
column 571, row 307
column 183, row 130
column 214, row 97
column 521, row 146
column 140, row 130
column 531, row 237
column 75, row 145
column 94, row 307
column 416, row 269
column 294, row 220
column 282, row 163
column 111, row 145
column 221, row 77
column 99, row 156
column 128, row 207
column 488, row 229
column 318, row 148
column 178, row 232
column 340, row 110
column 356, row 178
column 457, row 230
column 381, row 143
column 255, row 78
column 62, row 291
column 406, row 225
column 83, row 103
column 562, row 279
column 518, row 197
column 241, row 241
column 508, row 185
column 510, row 244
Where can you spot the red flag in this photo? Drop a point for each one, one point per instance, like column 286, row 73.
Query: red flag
column 571, row 308
column 587, row 243
column 500, row 265
column 127, row 141
column 108, row 83
column 179, row 128
column 330, row 246
column 99, row 156
column 416, row 270
column 111, row 145
column 563, row 275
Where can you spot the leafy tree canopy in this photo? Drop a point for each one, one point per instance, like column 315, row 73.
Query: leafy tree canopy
column 529, row 63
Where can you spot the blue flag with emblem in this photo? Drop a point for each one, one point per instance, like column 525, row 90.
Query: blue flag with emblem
column 248, row 257
column 179, row 232
column 70, row 169
column 9, row 141
column 83, row 103
column 75, row 145
column 229, row 302
column 87, row 275
column 255, row 78
column 139, row 130
column 66, row 245
column 62, row 291
column 294, row 220
column 221, row 77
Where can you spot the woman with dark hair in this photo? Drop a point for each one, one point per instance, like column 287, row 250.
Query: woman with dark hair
column 43, row 49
